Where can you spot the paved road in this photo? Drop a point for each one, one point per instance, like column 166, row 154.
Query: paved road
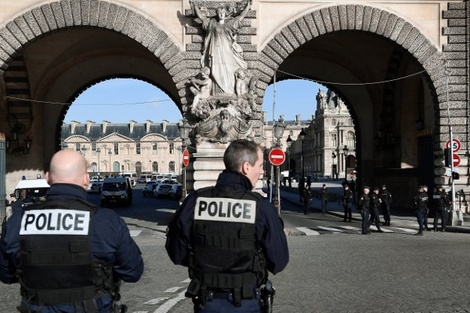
column 330, row 272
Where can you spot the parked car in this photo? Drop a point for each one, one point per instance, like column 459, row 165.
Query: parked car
column 176, row 191
column 162, row 190
column 95, row 187
column 116, row 190
column 149, row 189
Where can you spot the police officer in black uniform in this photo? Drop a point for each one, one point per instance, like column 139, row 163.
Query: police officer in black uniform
column 386, row 201
column 229, row 237
column 421, row 206
column 68, row 255
column 440, row 201
column 347, row 202
column 364, row 208
column 374, row 209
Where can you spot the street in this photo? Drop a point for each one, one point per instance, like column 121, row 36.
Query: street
column 332, row 271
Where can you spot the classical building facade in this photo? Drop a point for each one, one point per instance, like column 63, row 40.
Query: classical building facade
column 156, row 147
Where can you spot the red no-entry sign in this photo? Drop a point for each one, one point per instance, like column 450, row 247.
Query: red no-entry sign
column 277, row 156
column 185, row 157
column 456, row 159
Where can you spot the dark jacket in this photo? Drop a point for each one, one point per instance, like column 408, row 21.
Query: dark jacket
column 110, row 243
column 269, row 228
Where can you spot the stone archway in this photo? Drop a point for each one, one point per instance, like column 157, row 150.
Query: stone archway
column 407, row 52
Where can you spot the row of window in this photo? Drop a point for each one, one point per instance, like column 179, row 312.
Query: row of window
column 115, row 148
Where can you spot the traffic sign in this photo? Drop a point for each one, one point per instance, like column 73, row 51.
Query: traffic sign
column 277, row 156
column 455, row 160
column 455, row 144
column 185, row 157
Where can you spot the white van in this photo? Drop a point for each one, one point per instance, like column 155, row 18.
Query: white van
column 116, row 190
column 30, row 191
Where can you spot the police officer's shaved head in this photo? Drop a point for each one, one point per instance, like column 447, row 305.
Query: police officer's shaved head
column 239, row 152
column 68, row 167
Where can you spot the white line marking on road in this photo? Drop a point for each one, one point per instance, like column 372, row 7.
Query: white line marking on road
column 307, row 231
column 407, row 230
column 165, row 307
column 140, row 312
column 166, row 210
column 186, row 281
column 350, row 228
column 173, row 289
column 335, row 230
column 157, row 300
column 374, row 228
column 135, row 233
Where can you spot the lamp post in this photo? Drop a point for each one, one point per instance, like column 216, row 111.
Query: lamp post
column 345, row 151
column 278, row 130
column 289, row 144
column 333, row 156
column 184, row 128
column 302, row 136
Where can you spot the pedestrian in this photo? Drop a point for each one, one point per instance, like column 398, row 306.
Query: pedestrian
column 347, row 202
column 309, row 183
column 229, row 237
column 74, row 264
column 421, row 205
column 364, row 208
column 323, row 195
column 440, row 203
column 374, row 209
column 386, row 200
column 301, row 187
column 426, row 212
column 307, row 199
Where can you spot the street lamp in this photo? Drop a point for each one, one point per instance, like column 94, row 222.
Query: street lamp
column 184, row 128
column 278, row 131
column 333, row 156
column 345, row 151
column 302, row 135
column 289, row 144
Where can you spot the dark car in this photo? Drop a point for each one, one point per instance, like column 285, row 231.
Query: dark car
column 148, row 189
column 176, row 191
column 163, row 191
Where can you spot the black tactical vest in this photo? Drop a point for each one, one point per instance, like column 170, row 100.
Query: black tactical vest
column 56, row 266
column 224, row 254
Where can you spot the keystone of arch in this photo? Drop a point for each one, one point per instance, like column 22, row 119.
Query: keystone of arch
column 64, row 14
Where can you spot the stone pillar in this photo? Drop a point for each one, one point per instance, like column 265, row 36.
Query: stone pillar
column 3, row 194
column 208, row 164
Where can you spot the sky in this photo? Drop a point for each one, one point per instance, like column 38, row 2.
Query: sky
column 122, row 100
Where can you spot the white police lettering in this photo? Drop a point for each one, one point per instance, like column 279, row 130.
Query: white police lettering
column 225, row 210
column 55, row 222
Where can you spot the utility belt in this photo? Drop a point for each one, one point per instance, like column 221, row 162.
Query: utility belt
column 228, row 295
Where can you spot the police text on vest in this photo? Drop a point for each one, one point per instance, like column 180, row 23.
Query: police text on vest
column 225, row 210
column 55, row 222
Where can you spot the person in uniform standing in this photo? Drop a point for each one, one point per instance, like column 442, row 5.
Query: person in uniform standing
column 347, row 202
column 374, row 209
column 229, row 237
column 323, row 194
column 386, row 200
column 440, row 204
column 421, row 205
column 364, row 207
column 307, row 199
column 53, row 277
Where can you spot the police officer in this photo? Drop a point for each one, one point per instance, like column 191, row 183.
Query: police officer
column 323, row 194
column 421, row 206
column 364, row 208
column 374, row 209
column 229, row 237
column 347, row 201
column 440, row 203
column 68, row 255
column 386, row 200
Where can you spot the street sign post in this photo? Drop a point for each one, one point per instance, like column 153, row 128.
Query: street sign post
column 455, row 145
column 277, row 156
column 185, row 157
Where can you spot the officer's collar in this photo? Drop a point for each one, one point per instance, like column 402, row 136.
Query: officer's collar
column 66, row 191
column 232, row 178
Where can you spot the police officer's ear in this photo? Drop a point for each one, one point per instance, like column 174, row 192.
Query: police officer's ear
column 245, row 168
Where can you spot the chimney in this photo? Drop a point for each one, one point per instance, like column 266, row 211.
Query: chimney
column 131, row 126
column 104, row 125
column 164, row 124
column 88, row 126
column 73, row 124
column 147, row 126
column 297, row 119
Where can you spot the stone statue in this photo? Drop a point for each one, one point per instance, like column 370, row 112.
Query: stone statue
column 200, row 86
column 221, row 53
column 321, row 100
